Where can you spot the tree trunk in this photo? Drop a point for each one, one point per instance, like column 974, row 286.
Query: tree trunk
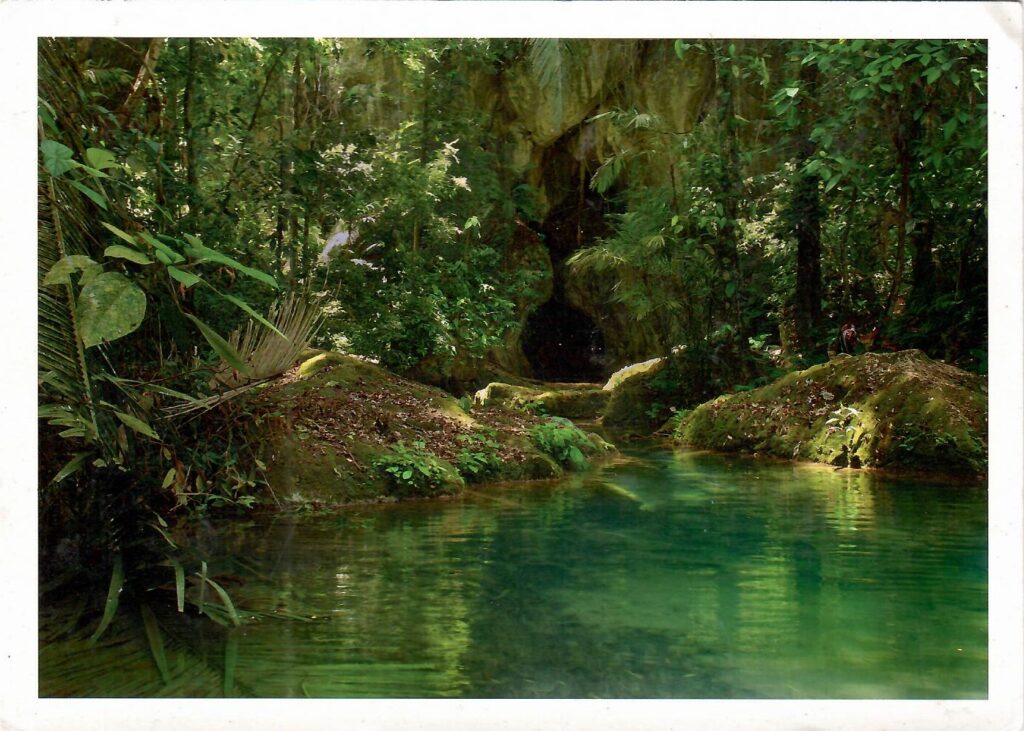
column 729, row 187
column 186, row 116
column 807, row 224
column 142, row 78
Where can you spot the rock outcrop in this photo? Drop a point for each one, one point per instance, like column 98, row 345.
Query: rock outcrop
column 338, row 429
column 900, row 411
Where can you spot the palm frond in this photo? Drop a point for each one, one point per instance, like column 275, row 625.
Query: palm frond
column 267, row 353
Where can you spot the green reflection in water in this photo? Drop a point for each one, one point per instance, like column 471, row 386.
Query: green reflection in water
column 663, row 575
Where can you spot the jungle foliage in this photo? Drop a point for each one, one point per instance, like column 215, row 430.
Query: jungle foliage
column 207, row 207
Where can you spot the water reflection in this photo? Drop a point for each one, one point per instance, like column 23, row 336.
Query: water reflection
column 665, row 575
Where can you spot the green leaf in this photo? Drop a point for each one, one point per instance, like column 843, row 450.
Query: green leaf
column 246, row 308
column 169, row 478
column 156, row 643
column 201, row 251
column 109, row 307
column 172, row 256
column 95, row 197
column 179, row 584
column 123, row 252
column 221, row 346
column 128, row 238
column 931, row 75
column 407, row 474
column 792, row 91
column 113, row 594
column 100, row 158
column 730, row 289
column 136, row 424
column 72, row 466
column 225, row 599
column 56, row 157
column 61, row 271
column 185, row 277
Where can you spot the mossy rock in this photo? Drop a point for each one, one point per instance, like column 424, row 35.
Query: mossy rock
column 635, row 403
column 572, row 401
column 900, row 411
column 324, row 426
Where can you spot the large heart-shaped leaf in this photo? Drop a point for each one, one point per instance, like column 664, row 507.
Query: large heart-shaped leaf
column 56, row 157
column 109, row 307
column 61, row 271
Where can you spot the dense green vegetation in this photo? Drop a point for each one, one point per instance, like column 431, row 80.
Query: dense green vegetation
column 209, row 208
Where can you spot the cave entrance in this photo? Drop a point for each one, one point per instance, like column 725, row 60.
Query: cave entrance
column 563, row 344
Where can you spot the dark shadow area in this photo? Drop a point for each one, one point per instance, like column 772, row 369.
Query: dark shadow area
column 563, row 344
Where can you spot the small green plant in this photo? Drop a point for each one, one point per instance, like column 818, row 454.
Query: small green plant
column 846, row 418
column 561, row 440
column 413, row 471
column 478, row 459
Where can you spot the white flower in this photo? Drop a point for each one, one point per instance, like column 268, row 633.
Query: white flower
column 461, row 183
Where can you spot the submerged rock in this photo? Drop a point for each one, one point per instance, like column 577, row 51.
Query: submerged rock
column 899, row 411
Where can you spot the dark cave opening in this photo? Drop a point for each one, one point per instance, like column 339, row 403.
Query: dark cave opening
column 563, row 344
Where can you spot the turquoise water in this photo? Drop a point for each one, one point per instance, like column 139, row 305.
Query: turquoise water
column 662, row 575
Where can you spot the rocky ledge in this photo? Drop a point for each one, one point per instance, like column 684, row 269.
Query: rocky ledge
column 899, row 411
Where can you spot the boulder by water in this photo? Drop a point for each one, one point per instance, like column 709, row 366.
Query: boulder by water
column 339, row 429
column 899, row 411
column 571, row 400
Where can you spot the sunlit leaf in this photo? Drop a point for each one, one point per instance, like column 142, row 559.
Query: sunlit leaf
column 127, row 238
column 137, row 425
column 123, row 252
column 93, row 195
column 109, row 307
column 201, row 251
column 73, row 465
column 185, row 277
column 100, row 158
column 61, row 271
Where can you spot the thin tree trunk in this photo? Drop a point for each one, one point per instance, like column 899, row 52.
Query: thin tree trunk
column 249, row 128
column 807, row 208
column 138, row 87
column 902, row 216
column 190, row 148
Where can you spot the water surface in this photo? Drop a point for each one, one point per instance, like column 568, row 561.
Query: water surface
column 663, row 575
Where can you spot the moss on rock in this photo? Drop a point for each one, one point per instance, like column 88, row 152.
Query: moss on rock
column 899, row 411
column 573, row 401
column 331, row 427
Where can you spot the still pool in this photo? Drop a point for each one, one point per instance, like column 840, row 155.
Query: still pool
column 661, row 575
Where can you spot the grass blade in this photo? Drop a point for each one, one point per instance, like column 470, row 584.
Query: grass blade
column 156, row 643
column 202, row 587
column 225, row 600
column 179, row 583
column 113, row 595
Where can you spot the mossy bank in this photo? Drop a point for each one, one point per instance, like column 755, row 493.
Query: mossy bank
column 338, row 429
column 898, row 411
